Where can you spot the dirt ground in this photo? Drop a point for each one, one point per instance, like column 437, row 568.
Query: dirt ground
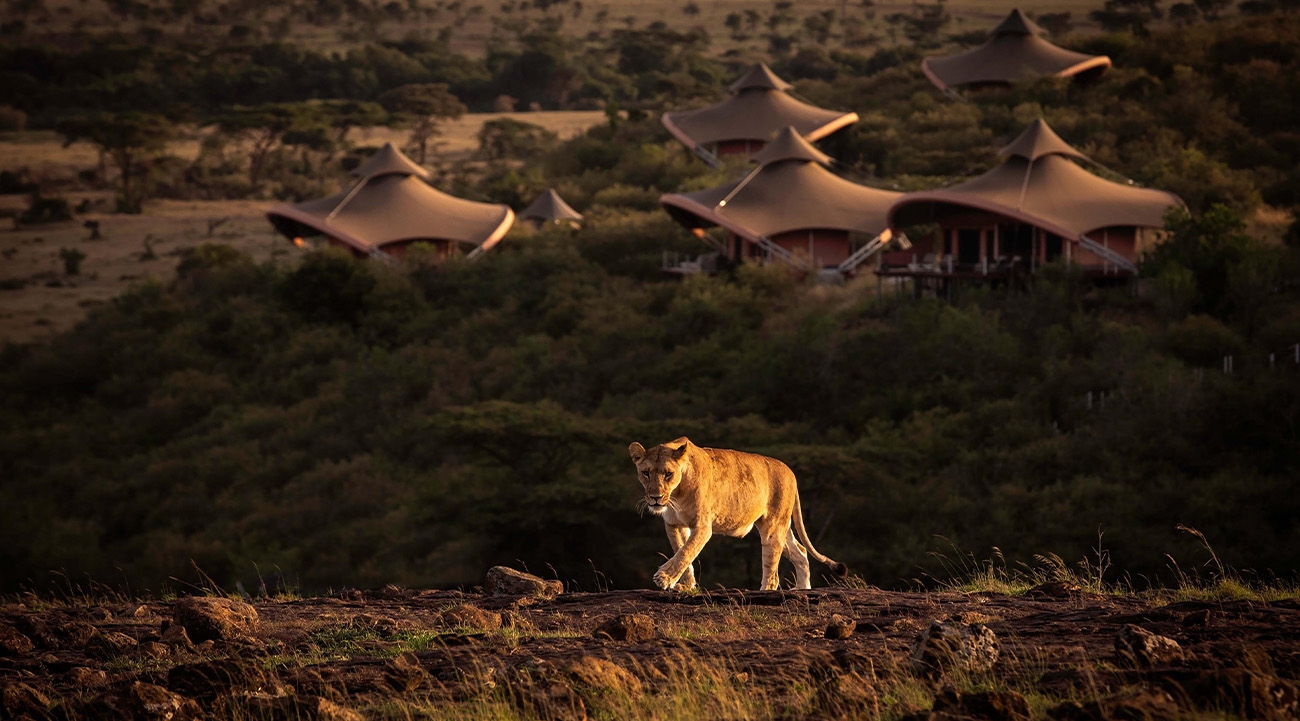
column 400, row 653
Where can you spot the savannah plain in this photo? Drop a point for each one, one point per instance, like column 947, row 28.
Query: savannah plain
column 244, row 480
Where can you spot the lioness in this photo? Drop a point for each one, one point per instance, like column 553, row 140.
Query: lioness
column 702, row 491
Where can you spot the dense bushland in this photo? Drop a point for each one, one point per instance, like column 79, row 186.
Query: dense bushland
column 343, row 424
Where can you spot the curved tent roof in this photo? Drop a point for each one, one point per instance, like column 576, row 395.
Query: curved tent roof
column 1013, row 52
column 550, row 206
column 791, row 189
column 1039, row 185
column 391, row 203
column 759, row 107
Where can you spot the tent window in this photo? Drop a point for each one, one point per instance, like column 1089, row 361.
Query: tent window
column 968, row 246
column 1054, row 246
column 1016, row 239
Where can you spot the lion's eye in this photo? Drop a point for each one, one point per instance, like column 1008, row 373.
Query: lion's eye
column 645, row 474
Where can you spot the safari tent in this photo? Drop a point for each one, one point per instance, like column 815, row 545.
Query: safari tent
column 760, row 106
column 792, row 208
column 549, row 207
column 1014, row 52
column 390, row 207
column 1038, row 206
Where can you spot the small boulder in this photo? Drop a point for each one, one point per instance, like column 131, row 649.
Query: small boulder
column 470, row 616
column 208, row 680
column 13, row 643
column 1142, row 704
column 139, row 701
column 153, row 649
column 965, row 647
column 505, row 581
column 37, row 630
column 176, row 637
column 840, row 627
column 83, row 677
column 141, row 613
column 76, row 634
column 845, row 694
column 1198, row 618
column 19, row 700
column 1139, row 648
column 984, row 706
column 598, row 681
column 630, row 627
column 517, row 621
column 1248, row 694
column 214, row 619
column 110, row 645
column 404, row 674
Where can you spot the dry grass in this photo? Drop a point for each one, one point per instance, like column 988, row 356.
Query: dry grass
column 145, row 248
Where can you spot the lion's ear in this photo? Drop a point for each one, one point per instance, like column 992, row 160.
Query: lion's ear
column 680, row 451
column 637, row 451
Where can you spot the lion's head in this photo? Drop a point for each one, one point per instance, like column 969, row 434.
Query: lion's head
column 660, row 471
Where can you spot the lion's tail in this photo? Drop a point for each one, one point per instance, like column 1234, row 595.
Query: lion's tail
column 839, row 569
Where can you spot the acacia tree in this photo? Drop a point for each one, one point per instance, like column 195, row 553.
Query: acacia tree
column 263, row 127
column 127, row 138
column 422, row 106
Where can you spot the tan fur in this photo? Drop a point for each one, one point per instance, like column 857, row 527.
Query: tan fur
column 703, row 491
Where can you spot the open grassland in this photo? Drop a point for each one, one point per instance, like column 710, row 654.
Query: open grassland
column 401, row 654
column 39, row 298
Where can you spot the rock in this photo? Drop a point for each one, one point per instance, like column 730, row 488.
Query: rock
column 1140, row 705
column 176, row 637
column 153, row 649
column 469, row 616
column 83, row 677
column 598, row 681
column 37, row 630
column 404, row 674
column 845, row 695
column 943, row 646
column 141, row 613
column 18, row 700
column 208, row 680
column 1139, row 648
column 141, row 702
column 517, row 621
column 1198, row 618
column 840, row 627
column 214, row 619
column 110, row 645
column 13, row 643
column 293, row 708
column 76, row 634
column 505, row 581
column 1246, row 693
column 1054, row 591
column 985, row 705
column 205, row 648
column 630, row 627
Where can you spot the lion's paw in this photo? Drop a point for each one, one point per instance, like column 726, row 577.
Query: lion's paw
column 663, row 580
